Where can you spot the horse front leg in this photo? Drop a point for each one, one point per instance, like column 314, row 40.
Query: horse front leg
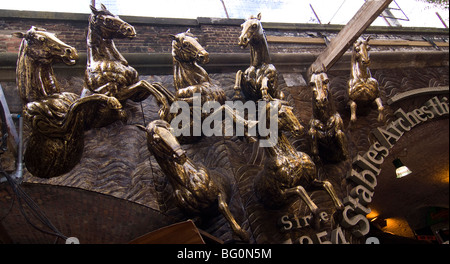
column 353, row 107
column 225, row 210
column 238, row 86
column 246, row 125
column 265, row 89
column 108, row 89
column 84, row 106
column 328, row 187
column 143, row 87
column 379, row 103
column 313, row 133
column 340, row 136
column 300, row 191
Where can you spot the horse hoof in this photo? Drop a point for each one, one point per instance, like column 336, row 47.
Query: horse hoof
column 243, row 235
column 113, row 103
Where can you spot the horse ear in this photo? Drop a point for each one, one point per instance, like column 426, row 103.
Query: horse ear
column 93, row 9
column 259, row 16
column 18, row 34
column 368, row 39
column 173, row 37
column 103, row 7
column 188, row 31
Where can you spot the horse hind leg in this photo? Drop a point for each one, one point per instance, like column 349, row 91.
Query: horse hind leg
column 379, row 103
column 330, row 190
column 225, row 210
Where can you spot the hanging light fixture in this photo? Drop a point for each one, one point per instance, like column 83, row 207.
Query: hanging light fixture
column 401, row 170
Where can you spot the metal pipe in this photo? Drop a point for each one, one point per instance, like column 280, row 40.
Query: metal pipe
column 18, row 174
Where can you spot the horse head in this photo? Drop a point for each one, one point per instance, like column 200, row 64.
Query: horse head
column 186, row 48
column 250, row 28
column 45, row 47
column 161, row 140
column 361, row 50
column 110, row 26
column 319, row 85
column 287, row 121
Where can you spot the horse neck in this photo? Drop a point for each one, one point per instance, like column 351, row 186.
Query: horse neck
column 359, row 71
column 100, row 49
column 35, row 80
column 282, row 149
column 187, row 74
column 259, row 51
column 172, row 170
column 324, row 113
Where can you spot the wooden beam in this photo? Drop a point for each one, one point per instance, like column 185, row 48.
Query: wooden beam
column 350, row 33
column 13, row 136
column 180, row 233
column 373, row 42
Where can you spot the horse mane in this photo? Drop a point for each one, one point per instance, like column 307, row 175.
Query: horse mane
column 25, row 70
column 189, row 73
column 22, row 71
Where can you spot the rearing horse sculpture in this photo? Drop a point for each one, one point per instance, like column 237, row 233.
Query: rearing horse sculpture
column 57, row 119
column 190, row 78
column 108, row 72
column 287, row 172
column 362, row 88
column 326, row 127
column 197, row 190
column 260, row 80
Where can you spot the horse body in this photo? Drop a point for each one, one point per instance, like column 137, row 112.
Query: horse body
column 326, row 126
column 259, row 81
column 196, row 190
column 108, row 71
column 189, row 76
column 288, row 172
column 57, row 119
column 363, row 89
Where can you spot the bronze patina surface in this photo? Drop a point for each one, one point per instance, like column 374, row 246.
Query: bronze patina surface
column 197, row 190
column 107, row 71
column 362, row 88
column 260, row 80
column 326, row 126
column 57, row 119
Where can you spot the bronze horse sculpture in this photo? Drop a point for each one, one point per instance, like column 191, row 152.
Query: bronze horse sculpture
column 108, row 72
column 191, row 79
column 287, row 172
column 326, row 127
column 362, row 88
column 197, row 190
column 260, row 80
column 57, row 119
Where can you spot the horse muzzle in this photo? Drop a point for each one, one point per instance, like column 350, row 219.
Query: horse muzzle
column 180, row 156
column 128, row 31
column 203, row 57
column 70, row 56
column 243, row 41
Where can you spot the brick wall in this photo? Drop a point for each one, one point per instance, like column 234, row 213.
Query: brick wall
column 89, row 216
